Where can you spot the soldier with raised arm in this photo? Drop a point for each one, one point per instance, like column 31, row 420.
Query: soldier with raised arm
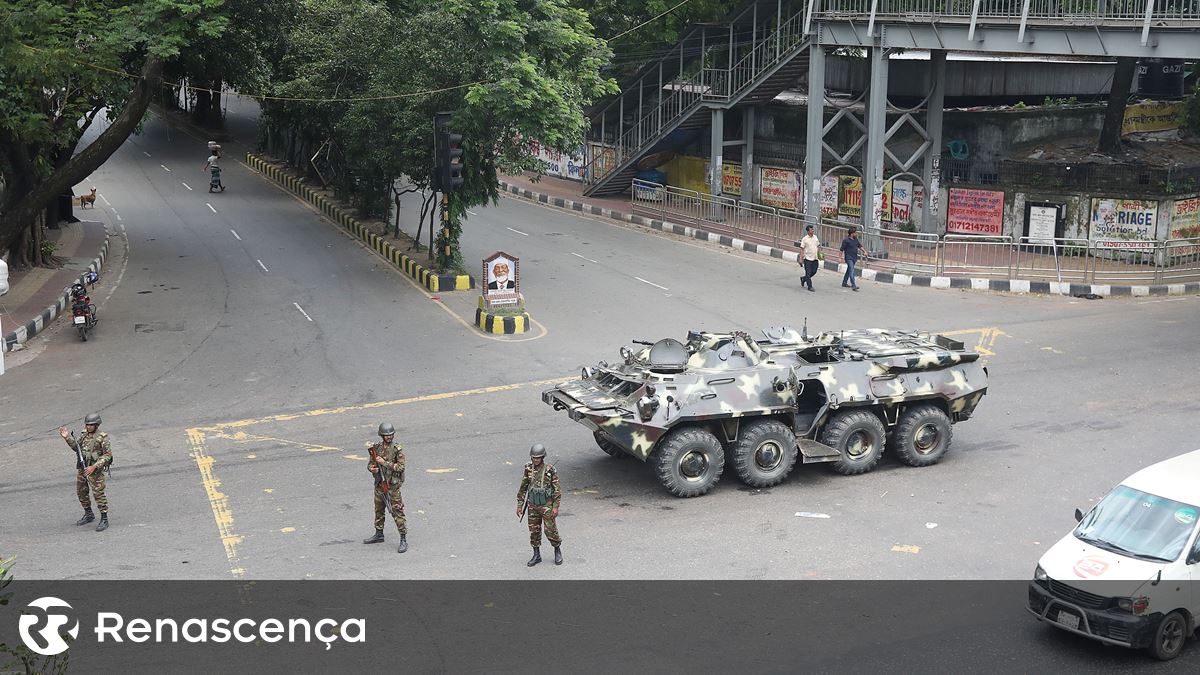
column 93, row 457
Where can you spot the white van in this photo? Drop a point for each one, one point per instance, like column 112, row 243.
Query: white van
column 1129, row 574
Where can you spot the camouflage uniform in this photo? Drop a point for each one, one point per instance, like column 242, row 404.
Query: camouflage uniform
column 392, row 459
column 96, row 452
column 544, row 497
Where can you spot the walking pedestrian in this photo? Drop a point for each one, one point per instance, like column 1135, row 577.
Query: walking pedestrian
column 850, row 250
column 812, row 247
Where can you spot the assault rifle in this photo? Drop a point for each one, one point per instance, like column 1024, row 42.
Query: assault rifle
column 380, row 482
column 79, row 463
column 524, row 505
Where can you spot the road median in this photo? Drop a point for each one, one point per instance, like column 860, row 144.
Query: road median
column 336, row 212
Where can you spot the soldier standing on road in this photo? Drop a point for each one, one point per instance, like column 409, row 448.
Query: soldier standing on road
column 387, row 465
column 541, row 492
column 93, row 445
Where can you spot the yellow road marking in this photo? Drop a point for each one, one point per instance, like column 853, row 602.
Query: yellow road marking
column 357, row 457
column 286, row 530
column 268, row 490
column 216, row 499
column 906, row 549
column 218, row 428
column 243, row 437
column 440, row 470
column 987, row 338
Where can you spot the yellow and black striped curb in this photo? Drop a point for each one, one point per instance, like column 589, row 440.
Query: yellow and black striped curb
column 438, row 283
column 501, row 325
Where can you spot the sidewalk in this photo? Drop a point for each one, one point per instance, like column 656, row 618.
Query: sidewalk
column 34, row 299
column 566, row 194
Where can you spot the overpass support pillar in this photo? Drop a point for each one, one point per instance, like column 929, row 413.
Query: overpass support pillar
column 716, row 171
column 877, row 135
column 931, row 176
column 815, row 135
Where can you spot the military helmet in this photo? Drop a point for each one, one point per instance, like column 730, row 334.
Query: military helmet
column 93, row 418
column 538, row 450
column 386, row 429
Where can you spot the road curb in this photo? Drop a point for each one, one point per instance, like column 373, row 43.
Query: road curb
column 437, row 283
column 895, row 278
column 500, row 325
column 39, row 324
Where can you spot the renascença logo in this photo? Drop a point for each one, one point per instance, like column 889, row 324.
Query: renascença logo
column 42, row 632
column 46, row 619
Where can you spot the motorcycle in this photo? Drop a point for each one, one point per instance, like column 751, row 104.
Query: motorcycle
column 83, row 312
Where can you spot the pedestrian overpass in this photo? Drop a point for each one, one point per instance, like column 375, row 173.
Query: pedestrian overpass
column 765, row 46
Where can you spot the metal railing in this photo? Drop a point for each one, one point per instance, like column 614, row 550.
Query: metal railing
column 1032, row 12
column 1060, row 175
column 721, row 85
column 1064, row 259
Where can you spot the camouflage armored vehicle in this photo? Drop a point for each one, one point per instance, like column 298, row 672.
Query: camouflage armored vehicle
column 690, row 409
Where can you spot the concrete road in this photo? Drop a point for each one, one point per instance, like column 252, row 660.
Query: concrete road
column 249, row 350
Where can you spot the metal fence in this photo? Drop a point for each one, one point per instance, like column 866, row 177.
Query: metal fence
column 1068, row 260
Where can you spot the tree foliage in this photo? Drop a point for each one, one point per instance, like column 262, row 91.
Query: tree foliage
column 62, row 64
column 510, row 71
column 630, row 51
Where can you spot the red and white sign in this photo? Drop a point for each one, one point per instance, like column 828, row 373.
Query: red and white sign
column 975, row 212
column 1091, row 567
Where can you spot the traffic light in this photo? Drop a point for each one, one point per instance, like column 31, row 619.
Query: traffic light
column 448, row 155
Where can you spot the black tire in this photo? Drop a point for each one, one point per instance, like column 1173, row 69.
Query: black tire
column 83, row 333
column 860, row 436
column 1169, row 637
column 922, row 435
column 690, row 462
column 765, row 453
column 608, row 446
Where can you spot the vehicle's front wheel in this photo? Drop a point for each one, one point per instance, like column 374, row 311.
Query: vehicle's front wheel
column 1169, row 637
column 690, row 461
column 608, row 446
column 764, row 453
column 922, row 435
column 859, row 436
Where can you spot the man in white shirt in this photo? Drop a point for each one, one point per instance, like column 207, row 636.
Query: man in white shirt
column 811, row 245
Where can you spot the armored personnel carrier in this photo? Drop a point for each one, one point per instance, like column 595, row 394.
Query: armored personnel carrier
column 691, row 408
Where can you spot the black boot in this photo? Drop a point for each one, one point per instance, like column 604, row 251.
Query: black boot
column 88, row 517
column 376, row 539
column 537, row 557
column 103, row 524
column 403, row 544
column 557, row 555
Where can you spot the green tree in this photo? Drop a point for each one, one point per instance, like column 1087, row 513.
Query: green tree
column 633, row 49
column 63, row 64
column 244, row 56
column 511, row 71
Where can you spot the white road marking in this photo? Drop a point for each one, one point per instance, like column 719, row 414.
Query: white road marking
column 235, row 234
column 1149, row 302
column 189, row 187
column 105, row 199
column 164, row 166
column 651, row 283
column 301, row 310
column 517, row 231
column 264, row 267
column 587, row 259
column 145, row 153
column 210, row 208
